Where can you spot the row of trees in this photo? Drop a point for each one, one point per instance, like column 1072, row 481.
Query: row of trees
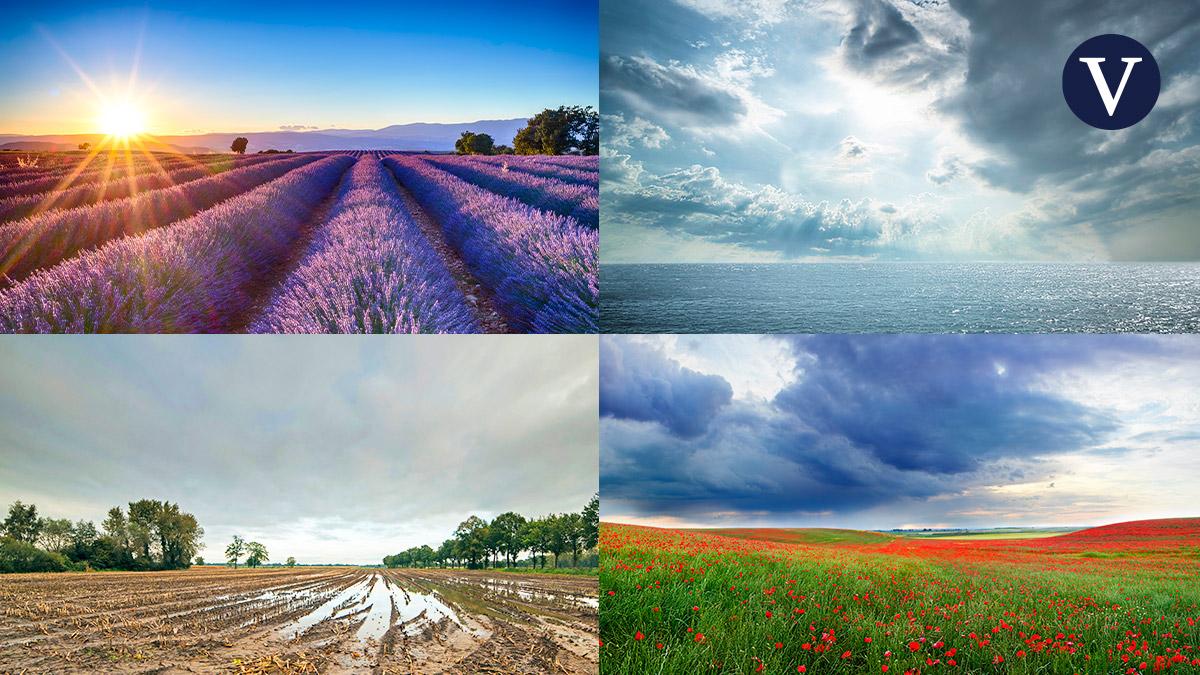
column 503, row 540
column 150, row 535
column 567, row 130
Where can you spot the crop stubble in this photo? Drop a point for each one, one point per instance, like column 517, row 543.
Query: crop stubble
column 301, row 620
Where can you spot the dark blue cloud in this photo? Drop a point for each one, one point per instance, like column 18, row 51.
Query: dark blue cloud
column 870, row 420
column 946, row 404
column 638, row 383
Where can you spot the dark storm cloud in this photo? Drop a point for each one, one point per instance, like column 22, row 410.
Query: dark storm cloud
column 882, row 43
column 670, row 88
column 1011, row 102
column 869, row 420
column 941, row 406
column 637, row 383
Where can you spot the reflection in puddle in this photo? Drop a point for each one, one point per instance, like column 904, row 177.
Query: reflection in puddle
column 529, row 593
column 371, row 601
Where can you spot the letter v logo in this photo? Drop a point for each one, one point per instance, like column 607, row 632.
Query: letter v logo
column 1098, row 62
column 1110, row 99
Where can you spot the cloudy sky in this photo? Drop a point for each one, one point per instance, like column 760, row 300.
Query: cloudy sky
column 889, row 129
column 328, row 449
column 877, row 432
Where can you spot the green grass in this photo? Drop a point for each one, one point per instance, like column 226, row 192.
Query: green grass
column 673, row 585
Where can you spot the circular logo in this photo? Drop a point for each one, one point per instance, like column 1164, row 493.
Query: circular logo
column 1111, row 81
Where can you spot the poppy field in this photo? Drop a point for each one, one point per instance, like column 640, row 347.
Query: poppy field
column 327, row 242
column 1122, row 598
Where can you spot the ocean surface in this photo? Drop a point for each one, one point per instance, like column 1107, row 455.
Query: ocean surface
column 900, row 298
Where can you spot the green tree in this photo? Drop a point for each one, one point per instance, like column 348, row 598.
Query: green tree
column 234, row 550
column 291, row 561
column 506, row 531
column 200, row 560
column 179, row 536
column 22, row 523
column 22, row 556
column 447, row 553
column 83, row 538
column 556, row 132
column 591, row 523
column 239, row 145
column 54, row 534
column 470, row 143
column 256, row 554
column 557, row 532
column 472, row 540
column 115, row 528
column 537, row 538
column 142, row 515
column 162, row 535
column 574, row 533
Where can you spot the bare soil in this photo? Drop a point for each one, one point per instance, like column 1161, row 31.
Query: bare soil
column 301, row 620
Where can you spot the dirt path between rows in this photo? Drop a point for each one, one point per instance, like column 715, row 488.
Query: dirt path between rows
column 264, row 291
column 480, row 299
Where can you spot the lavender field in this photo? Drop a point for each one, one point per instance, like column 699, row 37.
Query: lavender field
column 325, row 242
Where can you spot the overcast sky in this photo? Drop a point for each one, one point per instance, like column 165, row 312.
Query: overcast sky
column 329, row 449
column 877, row 432
column 889, row 129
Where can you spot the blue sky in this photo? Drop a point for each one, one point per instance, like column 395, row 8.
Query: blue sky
column 329, row 449
column 886, row 431
column 774, row 130
column 226, row 66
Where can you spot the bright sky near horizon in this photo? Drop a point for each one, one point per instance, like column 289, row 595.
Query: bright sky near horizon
column 331, row 449
column 886, row 431
column 224, row 66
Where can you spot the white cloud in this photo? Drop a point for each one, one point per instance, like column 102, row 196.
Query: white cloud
column 619, row 133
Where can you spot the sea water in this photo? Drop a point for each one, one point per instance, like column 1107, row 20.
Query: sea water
column 900, row 297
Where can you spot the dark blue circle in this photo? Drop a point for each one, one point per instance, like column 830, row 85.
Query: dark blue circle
column 1137, row 98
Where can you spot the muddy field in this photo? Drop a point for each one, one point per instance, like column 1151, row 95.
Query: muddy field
column 302, row 620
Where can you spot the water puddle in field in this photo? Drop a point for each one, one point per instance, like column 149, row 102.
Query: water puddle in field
column 528, row 593
column 371, row 601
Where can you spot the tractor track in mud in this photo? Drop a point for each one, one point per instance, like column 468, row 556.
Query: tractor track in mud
column 302, row 620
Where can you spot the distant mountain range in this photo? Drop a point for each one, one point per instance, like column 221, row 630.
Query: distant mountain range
column 415, row 136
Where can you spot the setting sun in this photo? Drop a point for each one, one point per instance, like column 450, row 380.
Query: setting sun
column 121, row 120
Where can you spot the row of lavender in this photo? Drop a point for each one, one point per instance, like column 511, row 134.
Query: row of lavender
column 541, row 266
column 538, row 167
column 100, row 168
column 370, row 269
column 120, row 184
column 574, row 200
column 48, row 238
column 111, row 167
column 198, row 275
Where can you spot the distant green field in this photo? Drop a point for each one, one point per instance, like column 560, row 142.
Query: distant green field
column 1034, row 533
column 807, row 535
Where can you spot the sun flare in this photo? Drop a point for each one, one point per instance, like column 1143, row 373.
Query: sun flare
column 122, row 120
